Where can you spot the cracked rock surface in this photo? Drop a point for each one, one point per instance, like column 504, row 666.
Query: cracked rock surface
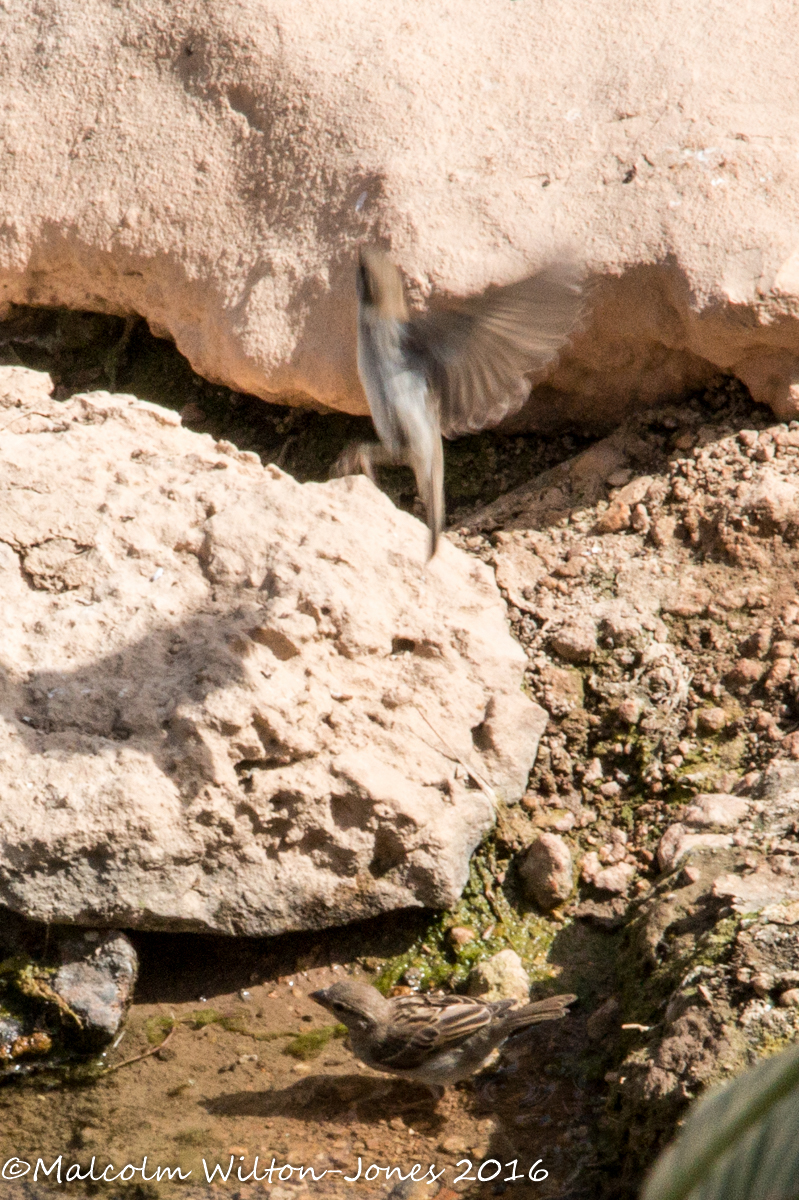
column 229, row 701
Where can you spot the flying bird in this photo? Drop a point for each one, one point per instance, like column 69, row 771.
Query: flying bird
column 452, row 370
column 435, row 1040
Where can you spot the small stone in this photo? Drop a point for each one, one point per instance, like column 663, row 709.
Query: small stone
column 778, row 675
column 711, row 720
column 593, row 773
column 459, row 935
column 576, row 641
column 546, row 871
column 758, row 643
column 640, row 520
column 615, row 519
column 559, row 820
column 619, row 477
column 604, row 1020
column 790, row 746
column 501, row 977
column 689, row 602
column 677, row 842
column 630, row 710
column 611, row 853
column 662, row 530
column 745, row 673
column 611, row 788
column 615, row 879
column 762, row 983
column 789, row 999
column 571, row 569
column 716, row 808
column 97, row 981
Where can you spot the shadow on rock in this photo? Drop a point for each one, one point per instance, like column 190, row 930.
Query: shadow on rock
column 136, row 692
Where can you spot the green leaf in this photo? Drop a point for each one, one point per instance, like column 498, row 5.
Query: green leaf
column 741, row 1142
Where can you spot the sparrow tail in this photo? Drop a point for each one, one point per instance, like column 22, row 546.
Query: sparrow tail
column 429, row 472
column 551, row 1009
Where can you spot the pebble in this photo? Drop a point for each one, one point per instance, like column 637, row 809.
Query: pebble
column 615, row 879
column 716, row 808
column 546, row 871
column 711, row 720
column 501, row 977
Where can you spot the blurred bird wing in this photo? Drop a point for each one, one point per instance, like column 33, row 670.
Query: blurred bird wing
column 422, row 1026
column 477, row 353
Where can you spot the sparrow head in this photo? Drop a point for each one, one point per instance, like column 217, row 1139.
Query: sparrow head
column 354, row 1004
column 380, row 285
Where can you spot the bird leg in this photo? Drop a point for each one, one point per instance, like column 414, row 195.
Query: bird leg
column 362, row 458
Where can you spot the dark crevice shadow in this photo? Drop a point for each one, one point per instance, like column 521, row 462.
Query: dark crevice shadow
column 176, row 968
column 85, row 351
column 180, row 967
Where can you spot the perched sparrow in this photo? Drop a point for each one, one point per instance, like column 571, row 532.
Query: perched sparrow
column 452, row 371
column 434, row 1040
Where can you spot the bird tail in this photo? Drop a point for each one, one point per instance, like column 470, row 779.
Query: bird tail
column 551, row 1009
column 428, row 468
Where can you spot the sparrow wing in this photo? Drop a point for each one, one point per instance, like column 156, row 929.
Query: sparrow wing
column 422, row 1026
column 477, row 353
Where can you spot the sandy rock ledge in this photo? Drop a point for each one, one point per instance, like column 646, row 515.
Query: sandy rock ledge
column 229, row 701
column 213, row 168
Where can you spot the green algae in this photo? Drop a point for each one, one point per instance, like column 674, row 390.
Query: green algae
column 311, row 1044
column 495, row 912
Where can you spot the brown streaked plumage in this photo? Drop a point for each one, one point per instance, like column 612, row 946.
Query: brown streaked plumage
column 451, row 371
column 435, row 1040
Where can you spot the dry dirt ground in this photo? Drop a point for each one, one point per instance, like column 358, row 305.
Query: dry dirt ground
column 653, row 589
column 242, row 1076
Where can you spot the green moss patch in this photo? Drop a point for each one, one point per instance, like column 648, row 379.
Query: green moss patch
column 311, row 1044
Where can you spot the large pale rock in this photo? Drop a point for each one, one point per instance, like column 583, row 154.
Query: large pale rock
column 212, row 167
column 229, row 701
